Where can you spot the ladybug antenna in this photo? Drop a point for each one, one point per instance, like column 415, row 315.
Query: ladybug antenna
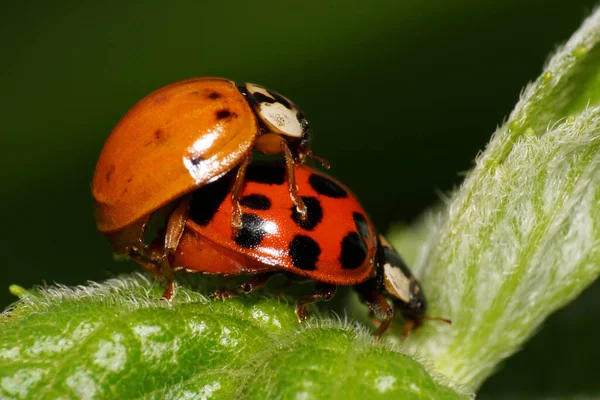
column 322, row 161
column 430, row 318
column 412, row 324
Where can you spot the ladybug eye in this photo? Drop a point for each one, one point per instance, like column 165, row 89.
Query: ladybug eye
column 276, row 111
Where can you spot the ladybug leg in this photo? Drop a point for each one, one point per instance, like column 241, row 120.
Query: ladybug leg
column 271, row 143
column 175, row 227
column 324, row 163
column 151, row 259
column 129, row 242
column 149, row 265
column 409, row 325
column 253, row 283
column 378, row 305
column 236, row 193
column 289, row 166
column 325, row 292
column 376, row 322
column 286, row 285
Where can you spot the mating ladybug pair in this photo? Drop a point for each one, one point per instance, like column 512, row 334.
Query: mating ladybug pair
column 185, row 152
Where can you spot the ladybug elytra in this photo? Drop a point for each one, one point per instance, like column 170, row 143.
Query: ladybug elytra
column 335, row 245
column 182, row 137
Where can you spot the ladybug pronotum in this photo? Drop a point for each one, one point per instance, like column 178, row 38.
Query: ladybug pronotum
column 335, row 245
column 180, row 138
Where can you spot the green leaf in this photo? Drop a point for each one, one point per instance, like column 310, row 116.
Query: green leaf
column 521, row 238
column 517, row 241
column 118, row 340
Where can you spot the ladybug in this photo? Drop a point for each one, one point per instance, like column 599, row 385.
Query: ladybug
column 335, row 245
column 180, row 138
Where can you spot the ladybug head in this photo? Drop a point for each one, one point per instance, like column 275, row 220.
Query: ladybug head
column 407, row 295
column 400, row 284
column 279, row 116
column 413, row 310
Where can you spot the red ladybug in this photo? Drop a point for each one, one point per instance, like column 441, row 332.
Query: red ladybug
column 182, row 137
column 335, row 245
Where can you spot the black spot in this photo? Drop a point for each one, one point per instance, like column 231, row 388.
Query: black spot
column 214, row 95
column 281, row 99
column 196, row 160
column 256, row 202
column 261, row 98
column 243, row 90
column 354, row 251
column 362, row 225
column 326, row 187
column 159, row 138
column 315, row 214
column 267, row 173
column 252, row 231
column 224, row 114
column 161, row 99
column 111, row 171
column 304, row 252
column 306, row 134
column 206, row 201
column 386, row 255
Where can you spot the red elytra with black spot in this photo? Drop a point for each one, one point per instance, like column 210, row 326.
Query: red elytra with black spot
column 336, row 244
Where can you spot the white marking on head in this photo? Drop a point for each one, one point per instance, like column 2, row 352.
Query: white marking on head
column 396, row 283
column 280, row 119
column 276, row 115
column 254, row 89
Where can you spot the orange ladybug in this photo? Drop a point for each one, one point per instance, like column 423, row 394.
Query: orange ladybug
column 335, row 245
column 180, row 138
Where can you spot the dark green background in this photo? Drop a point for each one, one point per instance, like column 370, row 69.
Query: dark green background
column 401, row 96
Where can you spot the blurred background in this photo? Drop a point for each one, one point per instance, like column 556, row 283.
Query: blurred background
column 401, row 95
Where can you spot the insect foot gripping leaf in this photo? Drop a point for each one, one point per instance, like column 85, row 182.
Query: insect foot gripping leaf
column 118, row 340
column 521, row 237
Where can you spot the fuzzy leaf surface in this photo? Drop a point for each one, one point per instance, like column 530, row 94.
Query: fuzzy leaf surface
column 118, row 340
column 521, row 237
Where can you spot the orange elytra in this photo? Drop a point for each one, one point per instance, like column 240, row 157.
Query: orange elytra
column 182, row 137
column 168, row 144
